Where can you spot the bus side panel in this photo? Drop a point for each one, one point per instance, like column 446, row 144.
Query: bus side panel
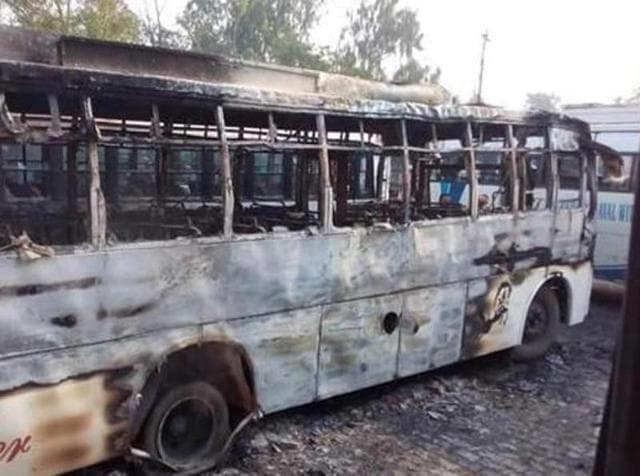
column 568, row 231
column 46, row 430
column 78, row 299
column 431, row 331
column 283, row 349
column 579, row 278
column 74, row 404
column 443, row 252
column 49, row 302
column 533, row 239
column 496, row 310
column 356, row 351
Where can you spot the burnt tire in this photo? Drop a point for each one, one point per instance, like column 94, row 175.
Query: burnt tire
column 541, row 326
column 187, row 427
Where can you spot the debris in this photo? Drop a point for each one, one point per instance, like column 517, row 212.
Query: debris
column 436, row 386
column 436, row 415
column 28, row 250
column 555, row 359
column 260, row 442
column 526, row 387
column 282, row 442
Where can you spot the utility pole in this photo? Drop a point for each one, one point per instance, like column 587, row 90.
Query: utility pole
column 485, row 40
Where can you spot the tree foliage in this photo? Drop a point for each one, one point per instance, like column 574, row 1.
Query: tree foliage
column 412, row 71
column 108, row 20
column 261, row 30
column 154, row 33
column 101, row 19
column 380, row 41
column 58, row 16
column 379, row 35
column 543, row 102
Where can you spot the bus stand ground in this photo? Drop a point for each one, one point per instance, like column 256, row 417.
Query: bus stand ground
column 488, row 416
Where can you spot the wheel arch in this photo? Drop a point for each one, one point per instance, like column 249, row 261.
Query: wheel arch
column 561, row 286
column 224, row 364
column 562, row 289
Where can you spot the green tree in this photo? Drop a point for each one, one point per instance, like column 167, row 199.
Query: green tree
column 101, row 19
column 58, row 16
column 543, row 102
column 108, row 20
column 155, row 33
column 412, row 71
column 380, row 34
column 261, row 30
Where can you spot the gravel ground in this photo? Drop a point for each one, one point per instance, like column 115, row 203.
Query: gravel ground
column 487, row 416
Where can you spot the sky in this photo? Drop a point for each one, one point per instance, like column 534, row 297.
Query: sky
column 581, row 50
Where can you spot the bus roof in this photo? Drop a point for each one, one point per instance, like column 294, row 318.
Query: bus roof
column 66, row 65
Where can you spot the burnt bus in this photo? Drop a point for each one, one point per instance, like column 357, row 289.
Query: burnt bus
column 190, row 242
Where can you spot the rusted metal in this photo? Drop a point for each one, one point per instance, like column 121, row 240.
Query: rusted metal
column 49, row 441
column 54, row 112
column 471, row 172
column 129, row 59
column 227, row 186
column 97, row 205
column 273, row 129
column 326, row 192
column 101, row 67
column 513, row 171
column 6, row 119
column 406, row 173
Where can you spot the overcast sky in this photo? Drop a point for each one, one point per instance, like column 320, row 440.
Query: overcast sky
column 581, row 50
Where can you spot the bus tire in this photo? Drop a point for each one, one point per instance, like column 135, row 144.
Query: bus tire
column 541, row 326
column 188, row 427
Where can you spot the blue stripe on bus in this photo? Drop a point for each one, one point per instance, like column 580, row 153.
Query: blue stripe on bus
column 610, row 272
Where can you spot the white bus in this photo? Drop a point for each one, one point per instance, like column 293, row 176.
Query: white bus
column 617, row 126
column 190, row 242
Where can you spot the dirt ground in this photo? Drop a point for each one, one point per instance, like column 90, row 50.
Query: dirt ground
column 488, row 416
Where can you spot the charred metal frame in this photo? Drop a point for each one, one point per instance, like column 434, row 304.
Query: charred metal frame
column 227, row 187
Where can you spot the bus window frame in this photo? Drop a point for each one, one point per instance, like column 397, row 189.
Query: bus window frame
column 587, row 166
column 405, row 149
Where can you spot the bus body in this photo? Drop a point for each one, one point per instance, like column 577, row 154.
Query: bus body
column 171, row 242
column 617, row 126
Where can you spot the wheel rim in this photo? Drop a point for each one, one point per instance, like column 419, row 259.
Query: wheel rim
column 536, row 323
column 187, row 430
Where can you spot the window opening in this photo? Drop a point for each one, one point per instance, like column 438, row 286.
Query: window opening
column 534, row 169
column 443, row 182
column 493, row 164
column 569, row 175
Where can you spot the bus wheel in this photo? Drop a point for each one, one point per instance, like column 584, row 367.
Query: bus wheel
column 541, row 326
column 188, row 427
